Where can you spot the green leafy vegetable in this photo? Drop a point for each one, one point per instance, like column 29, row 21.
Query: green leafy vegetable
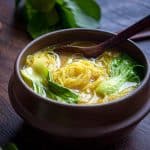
column 39, row 88
column 37, row 73
column 42, row 5
column 39, row 78
column 44, row 16
column 34, row 80
column 40, row 70
column 29, row 76
column 62, row 94
column 123, row 70
column 10, row 146
column 41, row 22
column 78, row 13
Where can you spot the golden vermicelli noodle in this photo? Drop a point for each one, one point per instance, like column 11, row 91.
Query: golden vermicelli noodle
column 49, row 59
column 81, row 75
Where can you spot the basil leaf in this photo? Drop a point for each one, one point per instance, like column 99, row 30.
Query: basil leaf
column 78, row 13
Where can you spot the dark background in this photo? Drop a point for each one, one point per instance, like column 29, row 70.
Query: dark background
column 116, row 15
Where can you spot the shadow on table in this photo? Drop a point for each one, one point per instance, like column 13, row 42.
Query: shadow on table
column 29, row 138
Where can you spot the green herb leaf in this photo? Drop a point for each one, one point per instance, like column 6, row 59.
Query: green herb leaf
column 78, row 13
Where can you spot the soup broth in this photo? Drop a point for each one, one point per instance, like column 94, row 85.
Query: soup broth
column 72, row 78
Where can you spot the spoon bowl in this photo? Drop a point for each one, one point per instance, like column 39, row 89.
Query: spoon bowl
column 93, row 51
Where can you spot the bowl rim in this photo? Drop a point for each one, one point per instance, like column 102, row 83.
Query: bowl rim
column 131, row 94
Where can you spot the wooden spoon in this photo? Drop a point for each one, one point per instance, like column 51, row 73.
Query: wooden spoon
column 93, row 51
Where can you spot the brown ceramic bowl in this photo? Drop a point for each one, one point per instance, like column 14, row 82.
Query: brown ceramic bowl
column 79, row 121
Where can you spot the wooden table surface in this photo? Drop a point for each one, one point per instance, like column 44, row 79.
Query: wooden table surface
column 116, row 14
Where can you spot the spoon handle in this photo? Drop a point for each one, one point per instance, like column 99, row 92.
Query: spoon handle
column 141, row 36
column 127, row 33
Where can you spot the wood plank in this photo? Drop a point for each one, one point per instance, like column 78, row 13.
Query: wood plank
column 128, row 12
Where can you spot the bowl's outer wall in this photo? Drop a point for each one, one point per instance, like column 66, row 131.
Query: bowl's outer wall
column 64, row 120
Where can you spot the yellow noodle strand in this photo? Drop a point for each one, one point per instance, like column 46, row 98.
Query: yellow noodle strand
column 78, row 73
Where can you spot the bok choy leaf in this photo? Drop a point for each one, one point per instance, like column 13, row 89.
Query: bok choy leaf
column 40, row 80
column 44, row 16
column 62, row 94
column 123, row 69
column 78, row 13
